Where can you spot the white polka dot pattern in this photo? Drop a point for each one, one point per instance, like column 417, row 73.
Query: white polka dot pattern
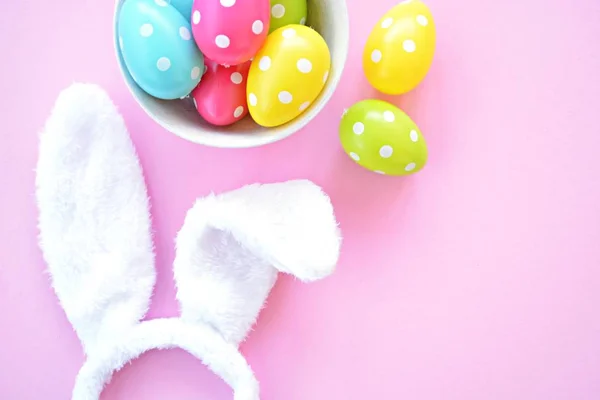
column 386, row 151
column 285, row 97
column 163, row 64
column 238, row 111
column 265, row 63
column 257, row 27
column 409, row 46
column 185, row 33
column 278, row 11
column 386, row 23
column 376, row 56
column 414, row 136
column 195, row 73
column 358, row 128
column 146, row 30
column 236, row 78
column 227, row 3
column 222, row 41
column 304, row 65
column 252, row 100
column 196, row 17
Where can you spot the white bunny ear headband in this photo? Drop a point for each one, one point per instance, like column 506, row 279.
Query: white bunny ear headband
column 95, row 236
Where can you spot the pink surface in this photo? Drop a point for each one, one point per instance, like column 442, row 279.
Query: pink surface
column 477, row 279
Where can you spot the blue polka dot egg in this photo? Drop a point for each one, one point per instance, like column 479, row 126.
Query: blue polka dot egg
column 158, row 48
column 184, row 7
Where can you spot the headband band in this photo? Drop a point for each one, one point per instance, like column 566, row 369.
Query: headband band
column 202, row 342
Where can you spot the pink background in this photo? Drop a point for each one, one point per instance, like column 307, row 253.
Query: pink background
column 476, row 279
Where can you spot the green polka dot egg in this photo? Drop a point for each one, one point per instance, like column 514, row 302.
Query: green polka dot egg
column 382, row 138
column 287, row 12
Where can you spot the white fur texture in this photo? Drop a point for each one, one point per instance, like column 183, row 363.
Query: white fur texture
column 95, row 236
column 231, row 246
column 94, row 220
column 199, row 340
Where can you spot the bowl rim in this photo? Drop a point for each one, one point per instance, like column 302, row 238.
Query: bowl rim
column 220, row 140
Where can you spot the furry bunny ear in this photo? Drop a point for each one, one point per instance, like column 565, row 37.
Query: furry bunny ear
column 231, row 246
column 93, row 216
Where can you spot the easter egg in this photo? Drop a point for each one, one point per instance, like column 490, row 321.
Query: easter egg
column 230, row 32
column 158, row 50
column 399, row 50
column 221, row 96
column 184, row 7
column 287, row 12
column 382, row 138
column 287, row 75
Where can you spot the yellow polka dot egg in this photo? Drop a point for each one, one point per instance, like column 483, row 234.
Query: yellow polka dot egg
column 287, row 75
column 399, row 50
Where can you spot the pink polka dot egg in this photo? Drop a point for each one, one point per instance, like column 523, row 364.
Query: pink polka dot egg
column 230, row 32
column 221, row 97
column 226, row 35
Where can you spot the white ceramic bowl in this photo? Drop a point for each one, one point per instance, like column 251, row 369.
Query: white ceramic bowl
column 328, row 17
